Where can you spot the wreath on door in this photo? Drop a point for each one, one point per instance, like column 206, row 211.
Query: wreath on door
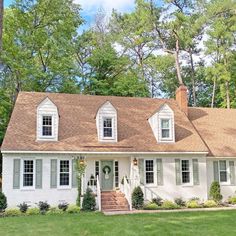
column 106, row 168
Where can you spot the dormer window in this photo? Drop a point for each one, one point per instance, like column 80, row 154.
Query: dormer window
column 47, row 126
column 107, row 128
column 165, row 128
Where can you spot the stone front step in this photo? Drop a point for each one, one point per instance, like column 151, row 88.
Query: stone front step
column 114, row 201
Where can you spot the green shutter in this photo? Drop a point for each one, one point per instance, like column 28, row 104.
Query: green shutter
column 159, row 172
column 74, row 174
column 232, row 172
column 39, row 174
column 53, row 182
column 141, row 170
column 195, row 172
column 16, row 174
column 216, row 171
column 177, row 172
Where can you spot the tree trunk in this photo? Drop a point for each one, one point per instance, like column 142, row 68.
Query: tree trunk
column 177, row 62
column 1, row 22
column 213, row 93
column 227, row 95
column 193, row 78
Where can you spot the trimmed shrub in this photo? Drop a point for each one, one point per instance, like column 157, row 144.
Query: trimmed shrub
column 215, row 192
column 3, row 202
column 89, row 202
column 232, row 200
column 12, row 212
column 137, row 198
column 157, row 201
column 43, row 207
column 210, row 203
column 193, row 204
column 73, row 209
column 63, row 206
column 151, row 206
column 180, row 202
column 169, row 205
column 23, row 207
column 54, row 211
column 32, row 211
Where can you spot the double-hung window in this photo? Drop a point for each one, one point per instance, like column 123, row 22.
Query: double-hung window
column 149, row 171
column 64, row 175
column 107, row 127
column 185, row 171
column 28, row 173
column 223, row 171
column 165, row 129
column 47, row 126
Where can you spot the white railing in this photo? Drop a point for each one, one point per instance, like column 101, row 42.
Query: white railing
column 149, row 193
column 98, row 195
column 127, row 191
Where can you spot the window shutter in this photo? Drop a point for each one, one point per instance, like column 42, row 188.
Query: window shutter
column 53, row 182
column 16, row 174
column 232, row 172
column 195, row 172
column 39, row 174
column 159, row 172
column 74, row 174
column 141, row 170
column 177, row 172
column 216, row 171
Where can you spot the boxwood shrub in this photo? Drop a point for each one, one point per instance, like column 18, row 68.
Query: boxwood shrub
column 33, row 211
column 137, row 198
column 210, row 203
column 151, row 206
column 193, row 204
column 73, row 209
column 232, row 200
column 12, row 212
column 169, row 205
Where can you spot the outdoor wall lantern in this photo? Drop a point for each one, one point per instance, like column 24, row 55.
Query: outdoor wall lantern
column 135, row 161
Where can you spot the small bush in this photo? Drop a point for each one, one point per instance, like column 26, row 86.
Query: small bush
column 210, row 203
column 23, row 207
column 157, row 201
column 215, row 192
column 193, row 204
column 151, row 206
column 32, row 211
column 63, row 206
column 89, row 202
column 169, row 205
column 73, row 209
column 137, row 198
column 43, row 207
column 12, row 212
column 3, row 202
column 232, row 200
column 54, row 211
column 180, row 202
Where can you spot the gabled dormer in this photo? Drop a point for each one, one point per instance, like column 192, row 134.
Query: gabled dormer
column 106, row 121
column 47, row 121
column 163, row 124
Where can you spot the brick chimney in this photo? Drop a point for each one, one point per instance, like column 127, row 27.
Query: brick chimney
column 181, row 96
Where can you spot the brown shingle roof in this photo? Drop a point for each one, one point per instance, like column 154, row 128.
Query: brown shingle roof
column 217, row 127
column 77, row 126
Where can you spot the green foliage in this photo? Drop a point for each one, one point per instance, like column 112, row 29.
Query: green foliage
column 193, row 204
column 151, row 206
column 232, row 200
column 210, row 203
column 12, row 212
column 54, row 211
column 72, row 209
column 215, row 192
column 3, row 202
column 33, row 211
column 180, row 202
column 89, row 202
column 63, row 206
column 137, row 198
column 169, row 205
column 23, row 207
column 157, row 201
column 43, row 207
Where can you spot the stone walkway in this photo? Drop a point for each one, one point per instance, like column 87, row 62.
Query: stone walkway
column 176, row 210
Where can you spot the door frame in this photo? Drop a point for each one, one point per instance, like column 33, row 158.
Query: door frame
column 101, row 173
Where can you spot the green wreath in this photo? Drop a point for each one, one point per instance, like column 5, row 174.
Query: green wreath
column 104, row 169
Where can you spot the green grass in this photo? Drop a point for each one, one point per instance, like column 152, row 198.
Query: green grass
column 184, row 223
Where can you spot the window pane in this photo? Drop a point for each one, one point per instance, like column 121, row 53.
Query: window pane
column 149, row 178
column 223, row 176
column 47, row 131
column 222, row 165
column 64, row 179
column 64, row 172
column 185, row 165
column 64, row 166
column 28, row 180
column 107, row 132
column 185, row 177
column 107, row 122
column 149, row 165
column 165, row 123
column 165, row 133
column 28, row 177
column 47, row 120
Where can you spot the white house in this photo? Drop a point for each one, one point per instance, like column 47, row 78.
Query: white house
column 163, row 146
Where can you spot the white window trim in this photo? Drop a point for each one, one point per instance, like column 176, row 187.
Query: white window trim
column 190, row 170
column 22, row 187
column 154, row 174
column 171, row 138
column 41, row 136
column 227, row 173
column 112, row 126
column 170, row 132
column 58, row 174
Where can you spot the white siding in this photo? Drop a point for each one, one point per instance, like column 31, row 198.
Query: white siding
column 106, row 110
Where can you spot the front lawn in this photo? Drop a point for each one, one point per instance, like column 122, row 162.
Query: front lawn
column 184, row 223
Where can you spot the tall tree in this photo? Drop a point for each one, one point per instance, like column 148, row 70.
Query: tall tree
column 1, row 21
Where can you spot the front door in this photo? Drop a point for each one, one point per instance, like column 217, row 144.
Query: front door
column 107, row 175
